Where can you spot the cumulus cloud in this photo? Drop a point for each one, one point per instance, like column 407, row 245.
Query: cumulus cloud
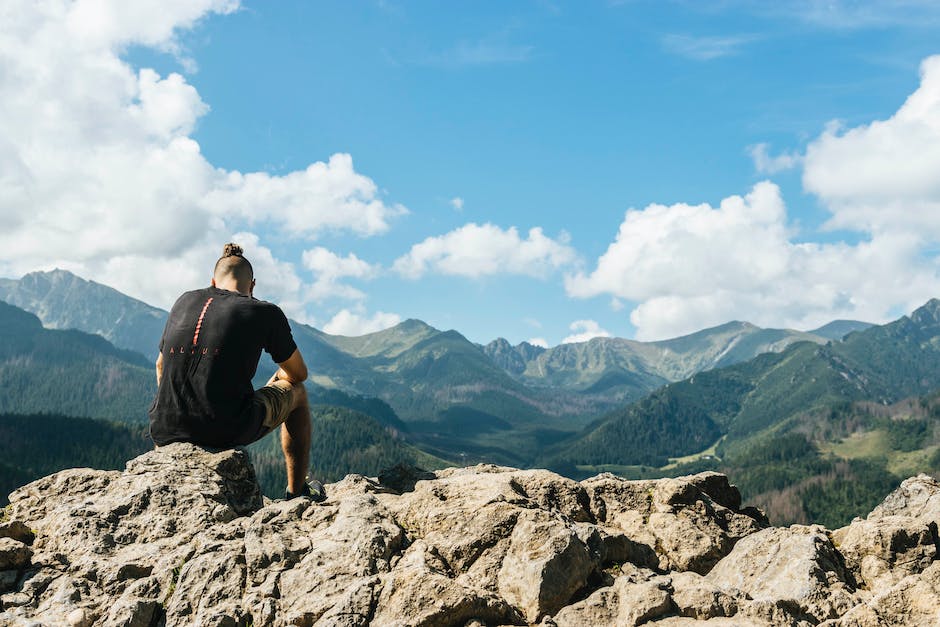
column 99, row 173
column 691, row 266
column 538, row 341
column 457, row 203
column 765, row 163
column 883, row 176
column 475, row 250
column 352, row 323
column 328, row 268
column 584, row 330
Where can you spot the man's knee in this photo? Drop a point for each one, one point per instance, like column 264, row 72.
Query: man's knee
column 299, row 396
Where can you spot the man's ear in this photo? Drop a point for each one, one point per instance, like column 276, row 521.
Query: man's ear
column 212, row 282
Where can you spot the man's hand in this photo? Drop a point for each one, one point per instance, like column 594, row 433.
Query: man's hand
column 293, row 369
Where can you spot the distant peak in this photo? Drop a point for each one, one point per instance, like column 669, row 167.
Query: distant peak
column 55, row 273
column 412, row 324
column 929, row 312
column 933, row 304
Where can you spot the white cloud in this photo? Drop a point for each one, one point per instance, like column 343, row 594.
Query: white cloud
column 689, row 267
column 850, row 14
column 457, row 203
column 99, row 173
column 584, row 330
column 764, row 163
column 325, row 196
column 705, row 48
column 352, row 323
column 883, row 177
column 479, row 250
column 538, row 341
column 663, row 250
column 329, row 268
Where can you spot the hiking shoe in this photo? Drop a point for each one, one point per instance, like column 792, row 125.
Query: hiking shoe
column 312, row 489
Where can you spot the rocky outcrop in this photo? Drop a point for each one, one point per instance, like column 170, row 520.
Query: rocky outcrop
column 184, row 537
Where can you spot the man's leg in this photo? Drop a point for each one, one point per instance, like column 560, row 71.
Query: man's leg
column 295, row 437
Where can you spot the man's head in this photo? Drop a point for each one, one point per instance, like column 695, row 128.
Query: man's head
column 233, row 272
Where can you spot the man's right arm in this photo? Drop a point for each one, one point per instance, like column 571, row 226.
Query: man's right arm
column 293, row 369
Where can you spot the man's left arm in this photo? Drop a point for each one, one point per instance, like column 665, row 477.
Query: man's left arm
column 159, row 367
column 293, row 369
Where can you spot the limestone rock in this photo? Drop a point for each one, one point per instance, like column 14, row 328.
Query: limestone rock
column 182, row 537
column 696, row 597
column 17, row 530
column 422, row 591
column 796, row 568
column 629, row 601
column 689, row 522
column 13, row 554
column 917, row 497
column 912, row 602
column 881, row 551
column 505, row 531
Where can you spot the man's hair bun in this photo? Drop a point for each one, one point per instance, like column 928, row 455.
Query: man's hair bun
column 231, row 250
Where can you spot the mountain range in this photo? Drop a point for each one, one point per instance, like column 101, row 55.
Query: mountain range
column 62, row 300
column 882, row 364
column 459, row 399
column 811, row 424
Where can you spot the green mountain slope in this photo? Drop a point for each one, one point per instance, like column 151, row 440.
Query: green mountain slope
column 62, row 300
column 838, row 329
column 33, row 446
column 69, row 372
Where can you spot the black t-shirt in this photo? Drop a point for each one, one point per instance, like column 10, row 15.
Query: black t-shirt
column 211, row 346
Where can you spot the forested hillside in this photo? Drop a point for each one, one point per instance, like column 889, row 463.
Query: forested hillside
column 35, row 445
column 62, row 300
column 69, row 372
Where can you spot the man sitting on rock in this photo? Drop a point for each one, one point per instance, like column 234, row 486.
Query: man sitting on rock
column 209, row 353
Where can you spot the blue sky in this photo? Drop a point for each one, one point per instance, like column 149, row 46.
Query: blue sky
column 731, row 131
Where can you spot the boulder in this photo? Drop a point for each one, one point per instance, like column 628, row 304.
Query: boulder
column 633, row 599
column 912, row 602
column 898, row 538
column 689, row 522
column 881, row 551
column 917, row 497
column 504, row 531
column 795, row 569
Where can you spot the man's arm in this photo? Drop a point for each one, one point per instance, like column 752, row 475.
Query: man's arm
column 293, row 369
column 159, row 366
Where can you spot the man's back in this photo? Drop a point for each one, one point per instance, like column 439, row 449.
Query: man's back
column 210, row 350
